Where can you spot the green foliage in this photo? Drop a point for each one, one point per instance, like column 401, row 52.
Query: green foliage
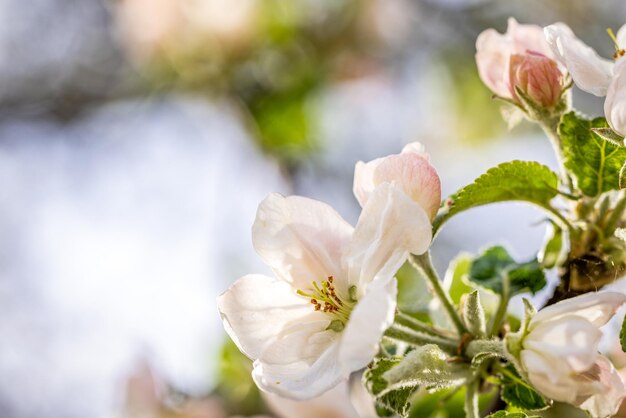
column 517, row 180
column 594, row 162
column 426, row 366
column 413, row 292
column 495, row 265
column 389, row 400
column 519, row 394
column 458, row 269
column 235, row 385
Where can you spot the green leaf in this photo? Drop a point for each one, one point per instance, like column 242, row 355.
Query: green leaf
column 506, row 414
column 454, row 277
column 526, row 181
column 594, row 161
column 389, row 400
column 426, row 366
column 622, row 177
column 622, row 335
column 519, row 394
column 495, row 265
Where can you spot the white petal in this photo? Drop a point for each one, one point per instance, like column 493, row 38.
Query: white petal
column 589, row 71
column 414, row 175
column 493, row 51
column 301, row 380
column 333, row 404
column 416, row 148
column 528, row 38
column 606, row 394
column 302, row 239
column 303, row 341
column 546, row 378
column 257, row 308
column 363, row 184
column 570, row 340
column 615, row 103
column 371, row 317
column 621, row 37
column 411, row 172
column 597, row 308
column 390, row 227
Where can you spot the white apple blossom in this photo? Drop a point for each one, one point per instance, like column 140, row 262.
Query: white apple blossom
column 334, row 294
column 410, row 171
column 558, row 353
column 593, row 74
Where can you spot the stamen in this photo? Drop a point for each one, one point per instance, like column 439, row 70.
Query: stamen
column 619, row 52
column 325, row 298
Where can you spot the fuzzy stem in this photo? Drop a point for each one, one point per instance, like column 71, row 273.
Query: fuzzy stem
column 485, row 346
column 417, row 325
column 471, row 400
column 496, row 321
column 418, row 338
column 551, row 128
column 423, row 263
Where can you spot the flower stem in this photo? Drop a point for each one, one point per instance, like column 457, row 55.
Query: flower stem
column 551, row 128
column 485, row 346
column 419, row 338
column 417, row 325
column 496, row 321
column 471, row 400
column 423, row 264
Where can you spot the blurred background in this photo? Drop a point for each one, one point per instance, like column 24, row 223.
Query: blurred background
column 138, row 136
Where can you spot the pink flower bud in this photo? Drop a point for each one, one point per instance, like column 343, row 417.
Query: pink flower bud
column 495, row 51
column 537, row 76
column 410, row 171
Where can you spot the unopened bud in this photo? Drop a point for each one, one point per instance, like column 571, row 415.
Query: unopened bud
column 537, row 77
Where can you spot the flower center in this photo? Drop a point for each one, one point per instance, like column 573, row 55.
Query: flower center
column 324, row 298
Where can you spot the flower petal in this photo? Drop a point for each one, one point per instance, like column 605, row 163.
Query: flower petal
column 371, row 317
column 615, row 103
column 390, row 227
column 606, row 390
column 410, row 171
column 257, row 308
column 333, row 404
column 590, row 72
column 597, row 308
column 492, row 59
column 542, row 376
column 621, row 37
column 570, row 340
column 527, row 38
column 301, row 239
column 415, row 176
column 300, row 380
column 363, row 184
